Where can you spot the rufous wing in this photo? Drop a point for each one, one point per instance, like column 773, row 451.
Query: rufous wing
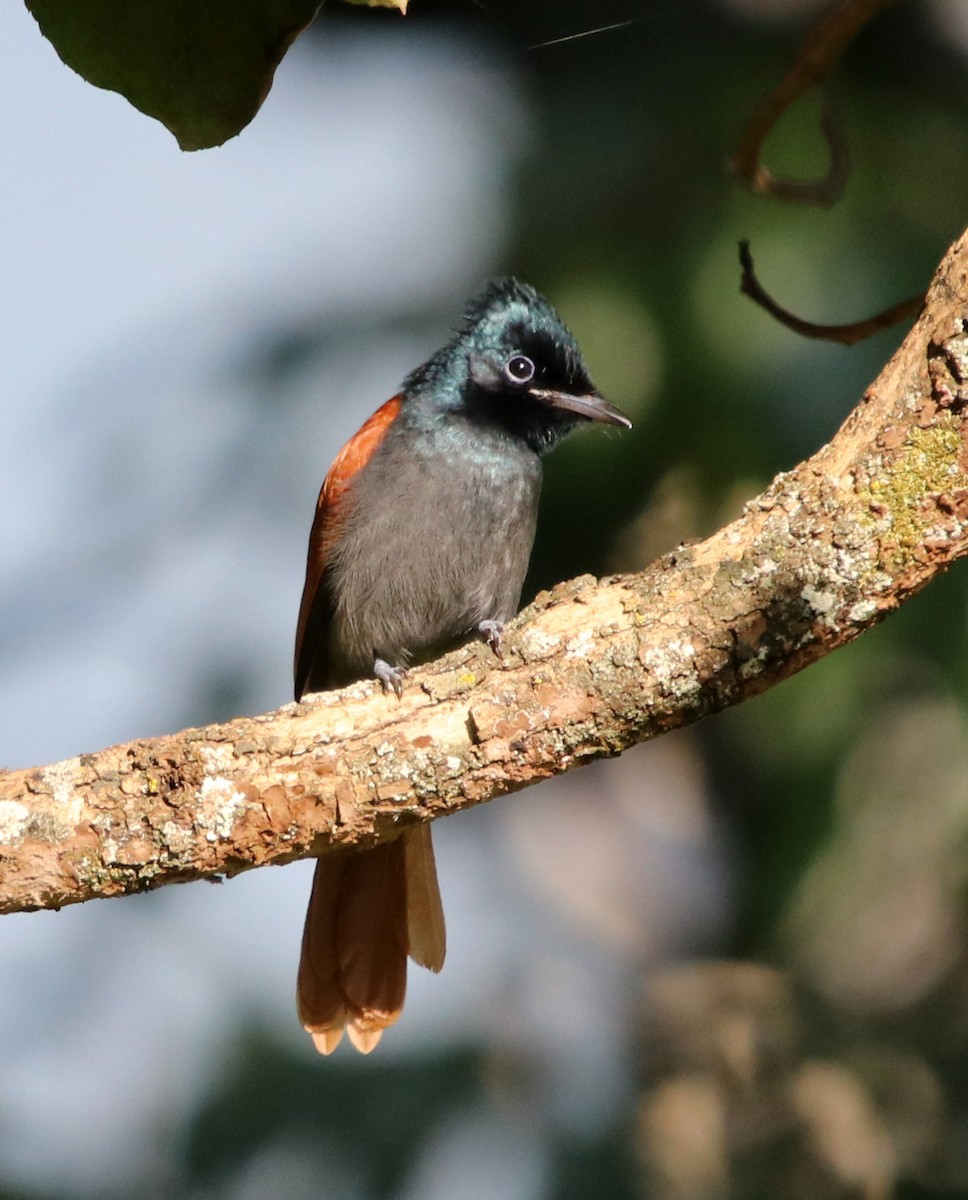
column 315, row 609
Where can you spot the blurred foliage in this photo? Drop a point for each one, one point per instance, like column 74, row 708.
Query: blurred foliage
column 270, row 1097
column 365, row 1128
column 826, row 1054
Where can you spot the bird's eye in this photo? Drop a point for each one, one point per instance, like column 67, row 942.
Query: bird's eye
column 519, row 369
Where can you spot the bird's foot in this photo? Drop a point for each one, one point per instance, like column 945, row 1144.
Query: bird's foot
column 492, row 632
column 390, row 677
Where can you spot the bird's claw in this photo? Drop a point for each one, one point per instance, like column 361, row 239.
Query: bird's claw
column 492, row 632
column 390, row 677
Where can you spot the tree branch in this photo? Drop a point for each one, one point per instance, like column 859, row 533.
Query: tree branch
column 591, row 668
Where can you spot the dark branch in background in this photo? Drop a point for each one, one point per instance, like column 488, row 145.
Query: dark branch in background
column 820, row 52
column 818, row 55
column 827, row 551
column 846, row 334
column 823, row 192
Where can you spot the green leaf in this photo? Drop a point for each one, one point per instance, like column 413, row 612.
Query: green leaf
column 201, row 67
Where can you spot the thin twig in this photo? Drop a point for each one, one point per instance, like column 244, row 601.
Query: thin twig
column 819, row 54
column 847, row 335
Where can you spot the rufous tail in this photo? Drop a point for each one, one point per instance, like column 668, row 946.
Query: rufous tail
column 367, row 914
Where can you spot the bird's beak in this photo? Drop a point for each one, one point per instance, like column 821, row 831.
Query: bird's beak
column 592, row 407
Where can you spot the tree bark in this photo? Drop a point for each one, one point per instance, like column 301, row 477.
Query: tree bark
column 591, row 668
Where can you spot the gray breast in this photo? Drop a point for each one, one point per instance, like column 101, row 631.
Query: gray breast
column 435, row 538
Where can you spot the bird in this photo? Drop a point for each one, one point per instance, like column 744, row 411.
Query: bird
column 421, row 541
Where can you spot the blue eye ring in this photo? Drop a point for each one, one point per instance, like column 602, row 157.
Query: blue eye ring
column 519, row 369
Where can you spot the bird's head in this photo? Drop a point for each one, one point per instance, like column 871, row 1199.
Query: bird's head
column 514, row 364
